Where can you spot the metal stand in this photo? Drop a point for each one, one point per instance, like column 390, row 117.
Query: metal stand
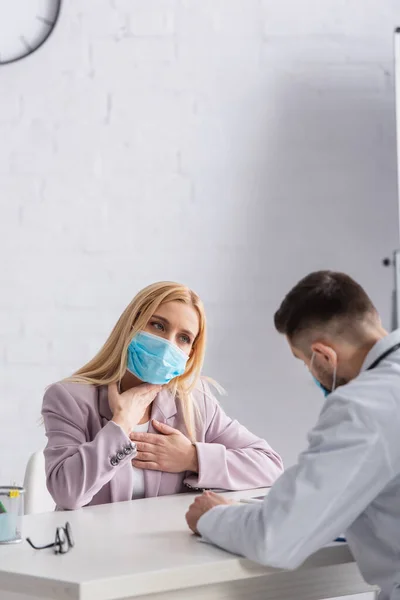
column 395, row 263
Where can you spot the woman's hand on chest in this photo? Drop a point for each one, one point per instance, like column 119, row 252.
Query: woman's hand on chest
column 169, row 450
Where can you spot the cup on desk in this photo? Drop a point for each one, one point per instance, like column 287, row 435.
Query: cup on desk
column 11, row 512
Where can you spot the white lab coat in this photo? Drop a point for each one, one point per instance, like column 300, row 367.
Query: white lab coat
column 348, row 480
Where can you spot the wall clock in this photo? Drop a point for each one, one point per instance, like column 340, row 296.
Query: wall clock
column 25, row 25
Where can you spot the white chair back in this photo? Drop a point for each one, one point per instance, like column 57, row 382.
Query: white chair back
column 37, row 498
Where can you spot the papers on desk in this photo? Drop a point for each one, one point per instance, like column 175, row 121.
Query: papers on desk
column 255, row 500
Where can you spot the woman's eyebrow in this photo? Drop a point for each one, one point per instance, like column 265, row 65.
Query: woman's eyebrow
column 163, row 319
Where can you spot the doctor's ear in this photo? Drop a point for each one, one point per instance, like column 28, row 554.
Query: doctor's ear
column 324, row 353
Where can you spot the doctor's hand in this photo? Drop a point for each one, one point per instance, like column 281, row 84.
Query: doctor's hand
column 169, row 451
column 202, row 505
column 129, row 407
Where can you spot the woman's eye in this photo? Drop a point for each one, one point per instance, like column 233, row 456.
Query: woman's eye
column 185, row 339
column 158, row 326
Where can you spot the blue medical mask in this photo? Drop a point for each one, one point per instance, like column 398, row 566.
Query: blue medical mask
column 325, row 390
column 155, row 360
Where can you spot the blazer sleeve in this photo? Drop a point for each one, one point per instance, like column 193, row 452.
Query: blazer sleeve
column 76, row 469
column 231, row 457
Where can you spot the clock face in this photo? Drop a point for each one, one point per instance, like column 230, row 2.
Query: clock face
column 24, row 26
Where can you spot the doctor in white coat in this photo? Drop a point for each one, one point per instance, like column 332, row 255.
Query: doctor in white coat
column 348, row 479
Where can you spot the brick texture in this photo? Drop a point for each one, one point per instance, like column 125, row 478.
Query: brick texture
column 232, row 145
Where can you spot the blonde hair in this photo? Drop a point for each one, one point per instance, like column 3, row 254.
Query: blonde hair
column 109, row 364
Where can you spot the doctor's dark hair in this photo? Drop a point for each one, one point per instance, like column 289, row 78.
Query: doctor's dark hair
column 321, row 299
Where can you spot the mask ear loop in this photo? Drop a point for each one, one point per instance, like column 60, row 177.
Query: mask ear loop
column 334, row 372
column 312, row 362
column 334, row 379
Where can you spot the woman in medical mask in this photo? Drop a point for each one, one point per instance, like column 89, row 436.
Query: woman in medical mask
column 139, row 421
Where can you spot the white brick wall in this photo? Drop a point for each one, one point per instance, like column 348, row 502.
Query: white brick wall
column 232, row 145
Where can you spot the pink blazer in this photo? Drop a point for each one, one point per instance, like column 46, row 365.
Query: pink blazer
column 83, row 444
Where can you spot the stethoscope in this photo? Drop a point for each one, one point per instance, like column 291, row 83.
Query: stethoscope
column 375, row 364
column 383, row 356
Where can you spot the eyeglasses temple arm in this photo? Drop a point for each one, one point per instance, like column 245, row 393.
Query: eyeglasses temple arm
column 39, row 547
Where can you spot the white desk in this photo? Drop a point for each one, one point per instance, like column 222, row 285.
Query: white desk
column 142, row 549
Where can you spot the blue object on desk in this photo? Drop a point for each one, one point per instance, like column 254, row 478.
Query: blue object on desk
column 341, row 539
column 8, row 527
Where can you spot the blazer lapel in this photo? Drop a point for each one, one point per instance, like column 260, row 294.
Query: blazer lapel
column 104, row 407
column 121, row 485
column 164, row 408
